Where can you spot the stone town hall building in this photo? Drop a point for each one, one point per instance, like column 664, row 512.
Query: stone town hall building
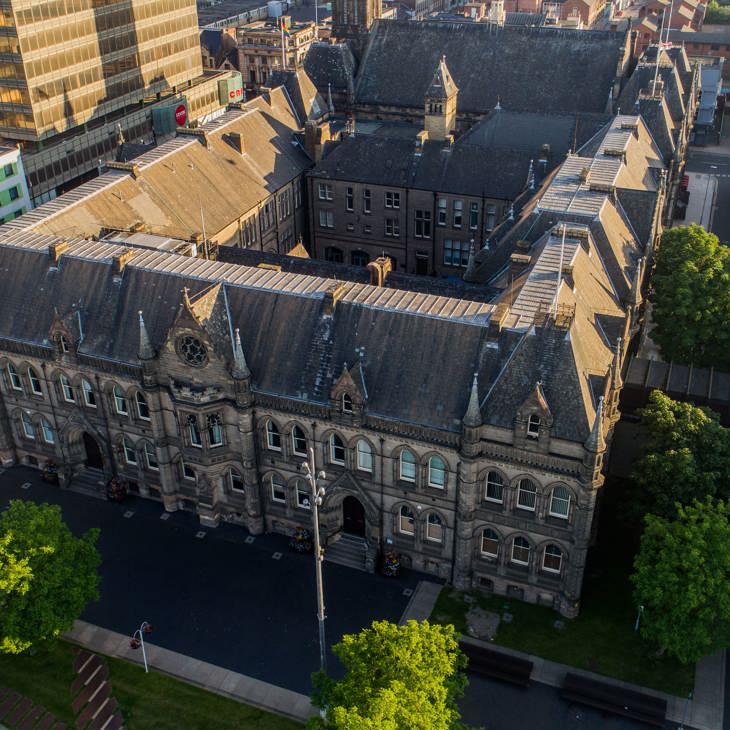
column 472, row 435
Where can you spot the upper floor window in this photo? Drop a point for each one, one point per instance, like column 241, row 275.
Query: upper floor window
column 392, row 227
column 520, row 551
column 406, row 521
column 491, row 216
column 194, row 431
column 495, row 485
column 392, row 199
column 63, row 344
column 278, row 490
column 35, row 382
column 552, row 559
column 235, row 481
column 324, row 191
column 326, row 219
column 456, row 253
column 143, row 410
column 303, row 495
column 47, row 430
column 298, row 441
column 434, row 528
column 407, row 466
column 458, row 213
column 337, row 450
column 436, row 472
column 28, row 428
column 366, row 201
column 560, row 503
column 346, row 403
column 215, row 430
column 150, row 456
column 15, row 382
column 349, row 199
column 490, row 543
column 130, row 455
column 526, row 494
column 422, row 227
column 120, row 401
column 273, row 436
column 364, row 456
column 187, row 472
column 533, row 426
column 441, row 219
column 474, row 216
column 67, row 389
column 89, row 395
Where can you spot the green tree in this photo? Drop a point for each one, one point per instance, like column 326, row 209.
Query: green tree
column 687, row 457
column 690, row 294
column 395, row 677
column 681, row 578
column 47, row 576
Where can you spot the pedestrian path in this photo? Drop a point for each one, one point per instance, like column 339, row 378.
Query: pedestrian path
column 702, row 195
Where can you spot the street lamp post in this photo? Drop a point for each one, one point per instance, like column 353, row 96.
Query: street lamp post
column 317, row 496
column 135, row 642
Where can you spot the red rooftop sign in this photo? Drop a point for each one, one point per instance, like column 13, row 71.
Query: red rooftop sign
column 181, row 115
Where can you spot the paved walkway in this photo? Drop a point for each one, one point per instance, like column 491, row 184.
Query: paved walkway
column 702, row 194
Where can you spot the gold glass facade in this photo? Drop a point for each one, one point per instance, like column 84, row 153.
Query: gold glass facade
column 65, row 62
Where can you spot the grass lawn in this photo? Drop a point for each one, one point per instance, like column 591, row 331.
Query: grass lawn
column 152, row 701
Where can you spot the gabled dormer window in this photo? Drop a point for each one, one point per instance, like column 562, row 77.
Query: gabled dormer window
column 346, row 403
column 533, row 426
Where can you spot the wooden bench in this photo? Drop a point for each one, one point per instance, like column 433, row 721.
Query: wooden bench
column 497, row 664
column 614, row 699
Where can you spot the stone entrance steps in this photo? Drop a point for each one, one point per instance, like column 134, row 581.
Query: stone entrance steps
column 348, row 550
column 89, row 481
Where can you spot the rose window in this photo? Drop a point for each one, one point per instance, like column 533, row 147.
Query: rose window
column 192, row 350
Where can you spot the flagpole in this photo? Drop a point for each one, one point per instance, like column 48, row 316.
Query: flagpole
column 283, row 50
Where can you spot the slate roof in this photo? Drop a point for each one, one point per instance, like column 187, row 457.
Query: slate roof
column 333, row 64
column 442, row 84
column 520, row 18
column 518, row 62
column 179, row 177
column 307, row 101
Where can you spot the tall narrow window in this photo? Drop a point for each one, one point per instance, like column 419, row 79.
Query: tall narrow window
column 130, row 455
column 490, row 543
column 304, row 495
column 35, row 382
column 143, row 410
column 495, row 485
column 215, row 430
column 89, row 395
column 349, row 199
column 458, row 213
column 474, row 216
column 63, row 344
column 533, row 426
column 28, row 428
column 48, row 435
column 273, row 437
column 187, row 472
column 120, row 401
column 298, row 441
column 434, row 528
column 441, row 219
column 235, row 481
column 337, row 450
column 520, row 551
column 366, row 201
column 406, row 521
column 67, row 389
column 436, row 472
column 560, row 503
column 552, row 559
column 14, row 378
column 150, row 456
column 278, row 490
column 364, row 456
column 194, row 431
column 346, row 403
column 407, row 466
column 526, row 495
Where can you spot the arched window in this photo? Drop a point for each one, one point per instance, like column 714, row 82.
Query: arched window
column 560, row 503
column 526, row 494
column 406, row 521
column 48, row 435
column 304, row 494
column 273, row 436
column 533, row 426
column 130, row 455
column 364, row 456
column 35, row 382
column 67, row 390
column 495, row 485
column 407, row 466
column 298, row 441
column 120, row 401
column 89, row 395
column 346, row 403
column 235, row 481
column 552, row 559
column 14, row 378
column 194, row 431
column 150, row 456
column 143, row 410
column 28, row 428
column 521, row 551
column 436, row 472
column 337, row 450
column 215, row 429
column 278, row 490
column 434, row 528
column 490, row 543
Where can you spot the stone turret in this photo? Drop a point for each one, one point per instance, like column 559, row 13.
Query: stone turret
column 440, row 103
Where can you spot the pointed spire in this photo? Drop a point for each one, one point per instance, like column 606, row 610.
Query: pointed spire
column 498, row 105
column 240, row 367
column 635, row 296
column 616, row 366
column 531, row 176
column 473, row 415
column 471, row 264
column 146, row 351
column 595, row 441
column 330, row 105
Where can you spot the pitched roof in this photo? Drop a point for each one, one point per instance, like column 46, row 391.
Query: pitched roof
column 333, row 64
column 519, row 63
column 442, row 84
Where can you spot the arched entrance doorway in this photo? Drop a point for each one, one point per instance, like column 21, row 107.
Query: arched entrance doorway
column 94, row 459
column 353, row 516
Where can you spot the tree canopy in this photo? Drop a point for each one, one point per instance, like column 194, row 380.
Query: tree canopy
column 395, row 677
column 687, row 456
column 681, row 579
column 47, row 576
column 690, row 295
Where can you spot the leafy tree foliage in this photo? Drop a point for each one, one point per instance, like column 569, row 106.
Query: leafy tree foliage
column 691, row 298
column 681, row 579
column 396, row 677
column 47, row 576
column 687, row 456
